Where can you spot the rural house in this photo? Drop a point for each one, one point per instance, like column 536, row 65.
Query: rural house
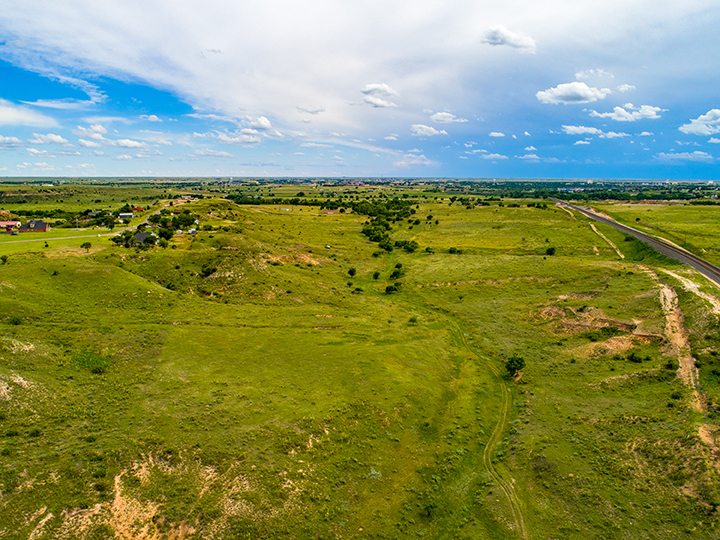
column 34, row 226
column 140, row 237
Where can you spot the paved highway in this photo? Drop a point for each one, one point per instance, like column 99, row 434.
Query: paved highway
column 669, row 250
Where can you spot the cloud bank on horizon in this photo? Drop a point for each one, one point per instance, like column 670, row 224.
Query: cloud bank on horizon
column 321, row 88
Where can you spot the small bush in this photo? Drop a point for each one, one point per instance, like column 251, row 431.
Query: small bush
column 550, row 251
column 95, row 363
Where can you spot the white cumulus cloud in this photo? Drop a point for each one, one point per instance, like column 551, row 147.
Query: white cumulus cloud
column 581, row 130
column 446, row 118
column 50, row 138
column 496, row 134
column 499, row 35
column 574, row 92
column 706, row 124
column 378, row 95
column 9, row 141
column 629, row 113
column 419, row 130
column 261, row 123
column 128, row 143
column 530, row 148
column 613, row 135
column 89, row 144
column 714, row 140
column 95, row 131
column 238, row 138
column 493, row 157
column 685, row 156
column 625, row 88
column 580, row 142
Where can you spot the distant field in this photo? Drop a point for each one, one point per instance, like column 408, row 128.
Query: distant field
column 259, row 380
column 692, row 227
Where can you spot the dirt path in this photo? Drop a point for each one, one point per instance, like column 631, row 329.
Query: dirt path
column 563, row 207
column 601, row 235
column 692, row 287
column 507, row 487
column 677, row 336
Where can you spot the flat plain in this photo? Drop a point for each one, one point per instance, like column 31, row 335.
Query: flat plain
column 278, row 375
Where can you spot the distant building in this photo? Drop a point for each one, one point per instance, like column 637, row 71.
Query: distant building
column 140, row 237
column 9, row 227
column 126, row 215
column 34, row 226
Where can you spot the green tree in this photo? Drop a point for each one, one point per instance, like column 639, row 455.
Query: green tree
column 550, row 251
column 352, row 272
column 514, row 364
column 86, row 246
column 4, row 259
column 109, row 222
column 376, row 274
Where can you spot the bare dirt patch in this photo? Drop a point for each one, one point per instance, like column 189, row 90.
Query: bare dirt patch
column 709, row 436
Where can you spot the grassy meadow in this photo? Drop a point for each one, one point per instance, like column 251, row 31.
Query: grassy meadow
column 692, row 227
column 256, row 380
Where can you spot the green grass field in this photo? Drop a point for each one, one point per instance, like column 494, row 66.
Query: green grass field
column 692, row 227
column 241, row 383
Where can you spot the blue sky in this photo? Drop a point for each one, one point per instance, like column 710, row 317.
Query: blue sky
column 560, row 88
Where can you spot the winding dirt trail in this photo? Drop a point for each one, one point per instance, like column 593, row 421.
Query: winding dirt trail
column 677, row 335
column 692, row 287
column 495, row 436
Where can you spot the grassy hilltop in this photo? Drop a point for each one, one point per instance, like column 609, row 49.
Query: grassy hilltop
column 281, row 375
